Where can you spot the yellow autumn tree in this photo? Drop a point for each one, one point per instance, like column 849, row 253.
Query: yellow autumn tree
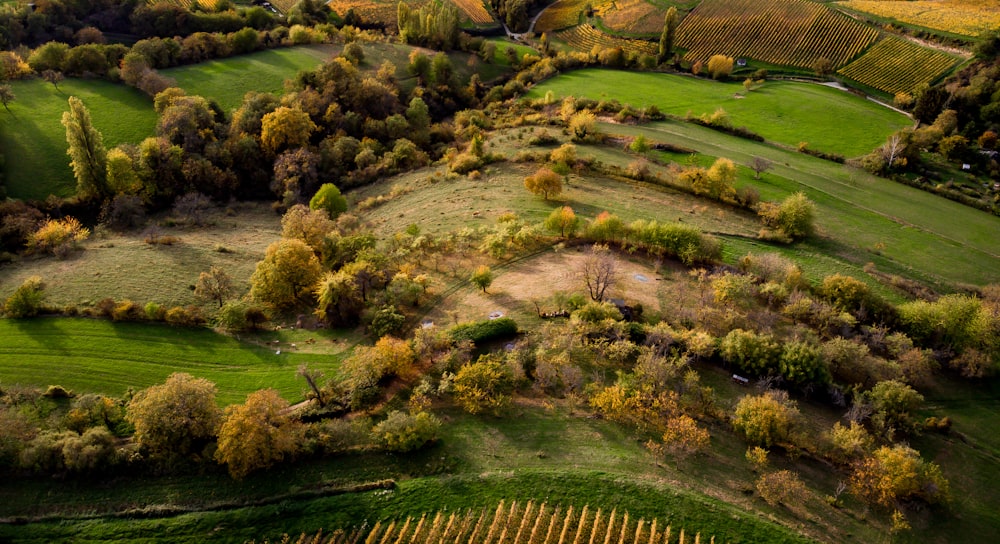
column 258, row 433
column 544, row 182
column 285, row 128
column 287, row 274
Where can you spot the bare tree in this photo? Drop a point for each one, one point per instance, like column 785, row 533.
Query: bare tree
column 53, row 77
column 759, row 165
column 312, row 377
column 214, row 285
column 193, row 208
column 891, row 149
column 599, row 271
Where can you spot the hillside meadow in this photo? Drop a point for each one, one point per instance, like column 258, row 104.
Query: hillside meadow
column 98, row 356
column 33, row 139
column 227, row 80
column 786, row 112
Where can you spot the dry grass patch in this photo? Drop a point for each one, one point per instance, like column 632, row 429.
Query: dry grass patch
column 515, row 289
column 124, row 266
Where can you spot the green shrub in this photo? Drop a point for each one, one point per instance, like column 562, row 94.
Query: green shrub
column 26, row 300
column 484, row 386
column 750, row 352
column 402, row 432
column 387, row 320
column 482, row 331
column 155, row 312
column 596, row 312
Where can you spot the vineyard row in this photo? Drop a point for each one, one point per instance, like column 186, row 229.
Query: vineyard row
column 786, row 32
column 895, row 65
column 586, row 37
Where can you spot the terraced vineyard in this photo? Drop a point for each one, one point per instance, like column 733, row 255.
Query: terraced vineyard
column 966, row 17
column 786, row 32
column 562, row 14
column 475, row 11
column 895, row 65
column 382, row 11
column 586, row 37
column 632, row 16
column 516, row 524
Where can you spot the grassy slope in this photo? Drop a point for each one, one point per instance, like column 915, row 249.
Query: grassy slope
column 104, row 357
column 33, row 139
column 861, row 217
column 123, row 266
column 782, row 111
column 543, row 453
column 227, row 80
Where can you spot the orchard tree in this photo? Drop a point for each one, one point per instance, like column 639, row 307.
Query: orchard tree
column 402, row 432
column 563, row 220
column 759, row 165
column 286, row 275
column 583, row 126
column 484, row 386
column 309, row 225
column 667, row 37
column 176, row 418
column 214, row 285
column 683, row 437
column 781, row 487
column 544, row 182
column 86, row 149
column 765, row 419
column 338, row 298
column 257, row 434
column 895, row 473
column 482, row 277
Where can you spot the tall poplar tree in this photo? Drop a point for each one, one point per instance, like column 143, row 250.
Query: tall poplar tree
column 667, row 38
column 86, row 149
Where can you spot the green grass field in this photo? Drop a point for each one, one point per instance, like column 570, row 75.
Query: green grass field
column 99, row 356
column 786, row 112
column 861, row 217
column 33, row 139
column 227, row 80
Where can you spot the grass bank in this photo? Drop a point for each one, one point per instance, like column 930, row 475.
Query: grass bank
column 227, row 80
column 788, row 112
column 97, row 356
column 33, row 139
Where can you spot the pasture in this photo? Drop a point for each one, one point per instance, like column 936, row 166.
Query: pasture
column 98, row 356
column 227, row 80
column 33, row 139
column 782, row 111
column 124, row 266
column 861, row 217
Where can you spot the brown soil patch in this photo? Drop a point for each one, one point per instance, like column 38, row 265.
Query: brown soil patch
column 516, row 288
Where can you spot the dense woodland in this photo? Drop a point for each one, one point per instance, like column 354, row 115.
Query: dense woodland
column 834, row 342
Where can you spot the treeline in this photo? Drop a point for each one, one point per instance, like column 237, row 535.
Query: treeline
column 81, row 23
